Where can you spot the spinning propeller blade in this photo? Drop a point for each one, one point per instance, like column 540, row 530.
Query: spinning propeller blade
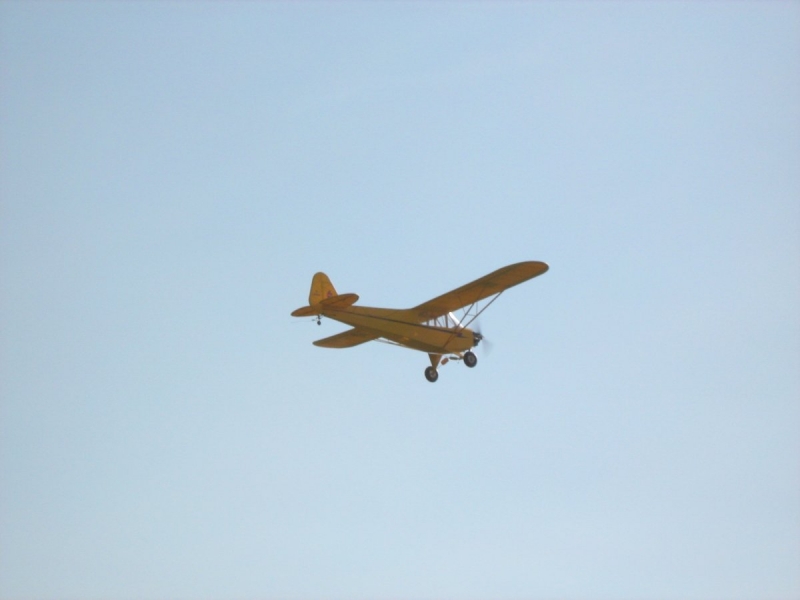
column 481, row 339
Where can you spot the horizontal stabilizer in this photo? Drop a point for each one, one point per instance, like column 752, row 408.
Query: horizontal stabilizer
column 332, row 303
column 307, row 311
column 349, row 338
column 340, row 301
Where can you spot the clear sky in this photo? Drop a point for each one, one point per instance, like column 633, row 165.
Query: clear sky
column 172, row 174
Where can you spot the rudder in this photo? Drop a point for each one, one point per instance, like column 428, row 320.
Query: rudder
column 321, row 288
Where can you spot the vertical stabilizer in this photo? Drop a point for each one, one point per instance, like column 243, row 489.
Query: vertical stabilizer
column 321, row 288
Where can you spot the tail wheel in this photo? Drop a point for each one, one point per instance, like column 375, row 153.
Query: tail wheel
column 431, row 374
column 470, row 359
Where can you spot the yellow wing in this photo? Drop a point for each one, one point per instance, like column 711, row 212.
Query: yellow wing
column 349, row 338
column 486, row 286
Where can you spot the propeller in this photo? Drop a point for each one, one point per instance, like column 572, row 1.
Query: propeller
column 480, row 339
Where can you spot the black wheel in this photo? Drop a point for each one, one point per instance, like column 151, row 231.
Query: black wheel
column 470, row 359
column 431, row 374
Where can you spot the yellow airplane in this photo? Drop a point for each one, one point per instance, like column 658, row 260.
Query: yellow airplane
column 430, row 327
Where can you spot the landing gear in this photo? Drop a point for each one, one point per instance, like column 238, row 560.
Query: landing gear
column 470, row 359
column 431, row 374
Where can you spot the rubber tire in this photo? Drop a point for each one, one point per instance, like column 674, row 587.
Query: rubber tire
column 470, row 359
column 431, row 374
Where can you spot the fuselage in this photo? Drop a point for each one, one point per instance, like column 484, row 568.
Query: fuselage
column 401, row 326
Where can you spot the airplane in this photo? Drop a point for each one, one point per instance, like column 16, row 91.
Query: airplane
column 430, row 327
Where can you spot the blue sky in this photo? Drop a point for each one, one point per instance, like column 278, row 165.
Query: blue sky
column 173, row 174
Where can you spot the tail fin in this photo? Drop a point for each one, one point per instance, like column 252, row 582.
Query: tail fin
column 323, row 297
column 321, row 288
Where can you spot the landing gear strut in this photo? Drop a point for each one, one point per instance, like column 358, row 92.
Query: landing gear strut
column 431, row 374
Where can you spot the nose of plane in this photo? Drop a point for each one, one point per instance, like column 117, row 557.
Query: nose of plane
column 476, row 338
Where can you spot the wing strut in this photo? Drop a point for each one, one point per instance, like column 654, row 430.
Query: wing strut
column 470, row 317
column 467, row 318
